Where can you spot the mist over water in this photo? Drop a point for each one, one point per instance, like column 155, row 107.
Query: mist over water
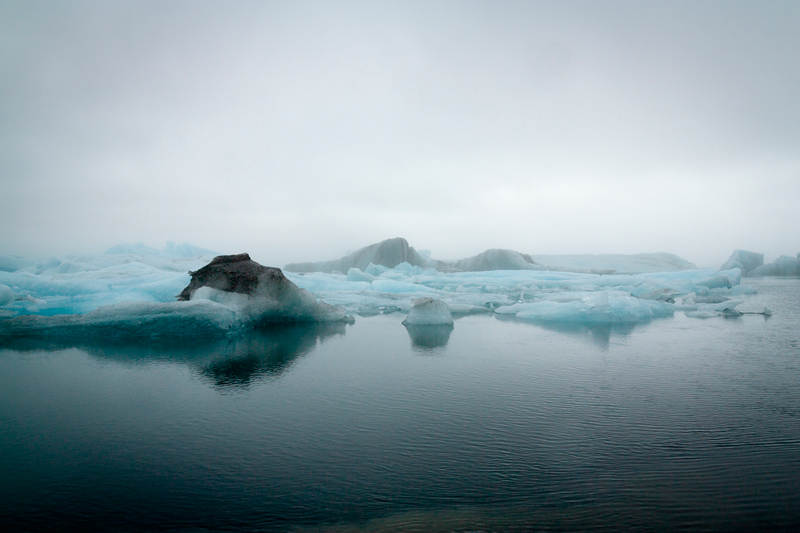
column 298, row 132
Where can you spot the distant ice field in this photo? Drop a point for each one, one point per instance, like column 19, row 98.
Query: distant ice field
column 106, row 285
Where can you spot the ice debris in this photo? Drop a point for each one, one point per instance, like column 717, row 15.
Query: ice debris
column 537, row 295
column 752, row 264
column 605, row 307
column 104, row 285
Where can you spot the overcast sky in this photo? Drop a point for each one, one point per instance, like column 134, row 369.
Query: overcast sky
column 300, row 130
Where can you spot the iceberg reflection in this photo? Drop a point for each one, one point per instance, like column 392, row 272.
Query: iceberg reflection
column 237, row 362
column 427, row 337
column 596, row 334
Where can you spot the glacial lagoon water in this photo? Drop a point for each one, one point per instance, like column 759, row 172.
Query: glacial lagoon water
column 492, row 425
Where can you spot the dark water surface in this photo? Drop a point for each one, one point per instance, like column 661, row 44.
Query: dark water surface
column 493, row 425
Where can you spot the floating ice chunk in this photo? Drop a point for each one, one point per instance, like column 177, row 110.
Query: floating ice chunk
column 355, row 274
column 716, row 309
column 724, row 279
column 429, row 311
column 368, row 310
column 228, row 295
column 389, row 253
column 399, row 287
column 600, row 308
column 6, row 295
column 742, row 289
column 258, row 294
column 720, row 306
column 408, row 269
column 701, row 314
column 130, row 319
column 457, row 308
column 783, row 266
column 746, row 261
column 375, row 270
column 496, row 259
column 262, row 308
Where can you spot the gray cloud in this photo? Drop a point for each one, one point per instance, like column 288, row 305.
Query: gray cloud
column 297, row 131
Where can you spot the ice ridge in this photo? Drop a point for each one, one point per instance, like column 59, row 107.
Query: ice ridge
column 388, row 253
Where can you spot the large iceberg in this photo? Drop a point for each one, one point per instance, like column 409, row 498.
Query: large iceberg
column 752, row 264
column 785, row 265
column 497, row 259
column 228, row 295
column 388, row 253
column 747, row 261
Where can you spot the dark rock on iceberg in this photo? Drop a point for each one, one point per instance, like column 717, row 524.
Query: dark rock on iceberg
column 236, row 273
column 388, row 253
column 748, row 261
column 262, row 295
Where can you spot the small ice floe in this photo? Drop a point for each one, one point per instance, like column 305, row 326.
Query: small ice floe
column 429, row 311
column 6, row 295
